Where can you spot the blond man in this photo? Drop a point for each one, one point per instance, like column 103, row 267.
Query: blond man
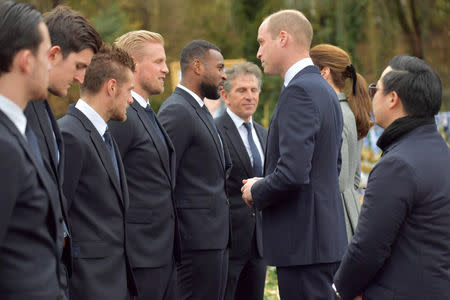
column 149, row 159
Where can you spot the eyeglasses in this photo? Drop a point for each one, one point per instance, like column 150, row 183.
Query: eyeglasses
column 372, row 90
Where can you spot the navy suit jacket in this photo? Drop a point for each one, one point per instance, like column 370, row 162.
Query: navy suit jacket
column 97, row 206
column 30, row 247
column 401, row 247
column 41, row 119
column 200, row 191
column 150, row 169
column 303, row 219
column 245, row 221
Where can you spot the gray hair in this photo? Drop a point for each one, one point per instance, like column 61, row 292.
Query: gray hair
column 245, row 68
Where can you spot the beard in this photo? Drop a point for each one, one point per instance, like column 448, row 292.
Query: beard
column 210, row 91
column 152, row 88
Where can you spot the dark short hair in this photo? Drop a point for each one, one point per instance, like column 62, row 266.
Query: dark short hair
column 19, row 23
column 196, row 49
column 110, row 62
column 71, row 31
column 417, row 85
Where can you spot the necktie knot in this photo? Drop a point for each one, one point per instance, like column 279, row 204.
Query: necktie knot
column 248, row 126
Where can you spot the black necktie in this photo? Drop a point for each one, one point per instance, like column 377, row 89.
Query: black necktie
column 112, row 152
column 257, row 163
column 152, row 117
column 33, row 143
column 213, row 124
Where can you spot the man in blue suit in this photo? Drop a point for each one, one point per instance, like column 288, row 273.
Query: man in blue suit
column 401, row 247
column 303, row 222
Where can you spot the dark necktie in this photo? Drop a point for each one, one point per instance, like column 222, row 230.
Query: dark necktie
column 213, row 124
column 112, row 152
column 257, row 163
column 33, row 143
column 152, row 117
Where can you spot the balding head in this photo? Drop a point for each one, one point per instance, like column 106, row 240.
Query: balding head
column 293, row 22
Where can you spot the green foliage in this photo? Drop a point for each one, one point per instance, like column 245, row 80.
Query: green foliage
column 271, row 289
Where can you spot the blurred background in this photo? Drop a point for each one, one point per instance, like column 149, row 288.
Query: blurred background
column 372, row 31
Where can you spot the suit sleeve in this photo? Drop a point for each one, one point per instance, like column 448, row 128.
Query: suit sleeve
column 298, row 123
column 177, row 122
column 9, row 184
column 389, row 197
column 73, row 164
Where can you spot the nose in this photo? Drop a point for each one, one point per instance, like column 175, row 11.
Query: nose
column 79, row 76
column 224, row 76
column 165, row 70
column 258, row 54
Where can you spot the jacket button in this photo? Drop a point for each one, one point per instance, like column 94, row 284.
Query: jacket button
column 253, row 214
column 228, row 202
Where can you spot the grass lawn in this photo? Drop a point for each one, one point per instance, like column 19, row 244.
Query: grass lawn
column 271, row 290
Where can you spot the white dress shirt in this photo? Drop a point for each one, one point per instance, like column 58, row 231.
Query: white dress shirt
column 244, row 136
column 93, row 116
column 196, row 97
column 14, row 113
column 142, row 102
column 295, row 68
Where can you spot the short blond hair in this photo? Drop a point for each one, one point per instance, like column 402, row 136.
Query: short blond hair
column 293, row 22
column 132, row 42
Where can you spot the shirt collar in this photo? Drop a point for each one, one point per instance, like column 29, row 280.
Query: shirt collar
column 142, row 102
column 236, row 119
column 196, row 97
column 295, row 68
column 93, row 116
column 14, row 113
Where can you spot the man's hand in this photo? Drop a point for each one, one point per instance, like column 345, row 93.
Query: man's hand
column 359, row 297
column 247, row 190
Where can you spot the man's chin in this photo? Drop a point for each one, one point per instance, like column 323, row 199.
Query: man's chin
column 58, row 93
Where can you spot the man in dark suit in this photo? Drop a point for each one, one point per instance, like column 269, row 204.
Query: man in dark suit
column 149, row 162
column 74, row 42
column 304, row 231
column 246, row 141
column 401, row 248
column 201, row 170
column 30, row 229
column 94, row 180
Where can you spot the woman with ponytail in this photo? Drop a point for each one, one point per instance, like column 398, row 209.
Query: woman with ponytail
column 337, row 69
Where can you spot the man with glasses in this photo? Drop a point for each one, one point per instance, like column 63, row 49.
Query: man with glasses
column 401, row 248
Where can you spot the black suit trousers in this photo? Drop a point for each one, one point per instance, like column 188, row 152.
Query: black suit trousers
column 246, row 276
column 202, row 274
column 156, row 283
column 307, row 282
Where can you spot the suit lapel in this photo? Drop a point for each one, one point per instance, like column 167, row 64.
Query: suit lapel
column 262, row 140
column 42, row 120
column 238, row 144
column 163, row 153
column 202, row 114
column 40, row 169
column 100, row 146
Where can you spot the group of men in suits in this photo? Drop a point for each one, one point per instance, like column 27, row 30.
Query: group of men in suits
column 114, row 202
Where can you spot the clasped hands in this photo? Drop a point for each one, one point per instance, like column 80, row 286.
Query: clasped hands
column 247, row 190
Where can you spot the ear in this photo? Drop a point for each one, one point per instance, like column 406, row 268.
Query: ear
column 284, row 38
column 197, row 66
column 325, row 72
column 111, row 87
column 224, row 95
column 136, row 64
column 24, row 61
column 394, row 101
column 55, row 55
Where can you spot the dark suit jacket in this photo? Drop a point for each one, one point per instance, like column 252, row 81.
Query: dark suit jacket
column 36, row 113
column 200, row 195
column 150, row 169
column 244, row 220
column 29, row 227
column 401, row 247
column 97, row 204
column 303, row 219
